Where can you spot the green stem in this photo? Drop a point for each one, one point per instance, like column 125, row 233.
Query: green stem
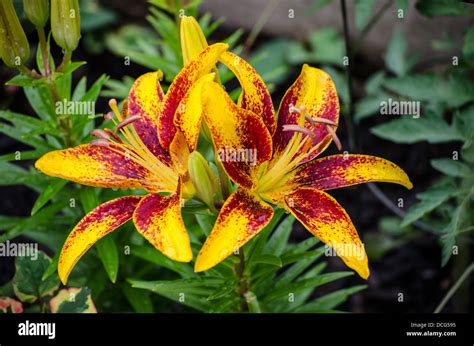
column 455, row 287
column 377, row 16
column 44, row 51
column 66, row 60
column 26, row 71
column 262, row 20
column 353, row 142
column 242, row 282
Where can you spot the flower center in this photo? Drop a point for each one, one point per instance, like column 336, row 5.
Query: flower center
column 298, row 148
column 132, row 147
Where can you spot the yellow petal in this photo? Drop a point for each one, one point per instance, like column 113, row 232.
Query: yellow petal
column 145, row 99
column 180, row 86
column 98, row 223
column 241, row 139
column 336, row 171
column 328, row 221
column 255, row 96
column 188, row 116
column 158, row 219
column 95, row 166
column 242, row 216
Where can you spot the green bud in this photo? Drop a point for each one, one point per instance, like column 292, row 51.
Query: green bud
column 66, row 23
column 14, row 47
column 37, row 11
column 203, row 178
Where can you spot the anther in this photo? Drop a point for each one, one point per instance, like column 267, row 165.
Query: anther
column 100, row 134
column 297, row 128
column 100, row 143
column 334, row 137
column 113, row 135
column 315, row 120
column 127, row 121
column 108, row 116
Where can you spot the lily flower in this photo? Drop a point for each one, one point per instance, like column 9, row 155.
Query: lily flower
column 145, row 152
column 282, row 168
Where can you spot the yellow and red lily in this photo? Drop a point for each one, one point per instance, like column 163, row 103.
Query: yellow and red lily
column 285, row 172
column 151, row 154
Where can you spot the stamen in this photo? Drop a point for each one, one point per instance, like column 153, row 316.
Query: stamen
column 113, row 105
column 109, row 116
column 299, row 110
column 113, row 135
column 127, row 121
column 334, row 137
column 100, row 134
column 297, row 128
column 314, row 121
column 100, row 143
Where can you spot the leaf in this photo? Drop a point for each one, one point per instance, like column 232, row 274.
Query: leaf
column 28, row 284
column 451, row 167
column 304, row 284
column 468, row 46
column 408, row 130
column 191, row 292
column 73, row 300
column 49, row 192
column 396, row 53
column 268, row 259
column 429, row 200
column 402, row 5
column 431, row 8
column 303, row 262
column 464, row 122
column 149, row 253
column 278, row 240
column 108, row 254
column 22, row 80
column 139, row 299
column 329, row 301
column 363, row 12
column 454, row 92
column 459, row 217
column 40, row 99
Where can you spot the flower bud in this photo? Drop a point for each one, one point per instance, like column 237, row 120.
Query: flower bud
column 14, row 47
column 193, row 40
column 37, row 11
column 66, row 23
column 203, row 178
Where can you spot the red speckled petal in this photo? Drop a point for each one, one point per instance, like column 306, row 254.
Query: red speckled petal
column 95, row 166
column 145, row 99
column 328, row 221
column 241, row 139
column 98, row 223
column 158, row 219
column 255, row 96
column 242, row 216
column 315, row 90
column 182, row 83
column 336, row 171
